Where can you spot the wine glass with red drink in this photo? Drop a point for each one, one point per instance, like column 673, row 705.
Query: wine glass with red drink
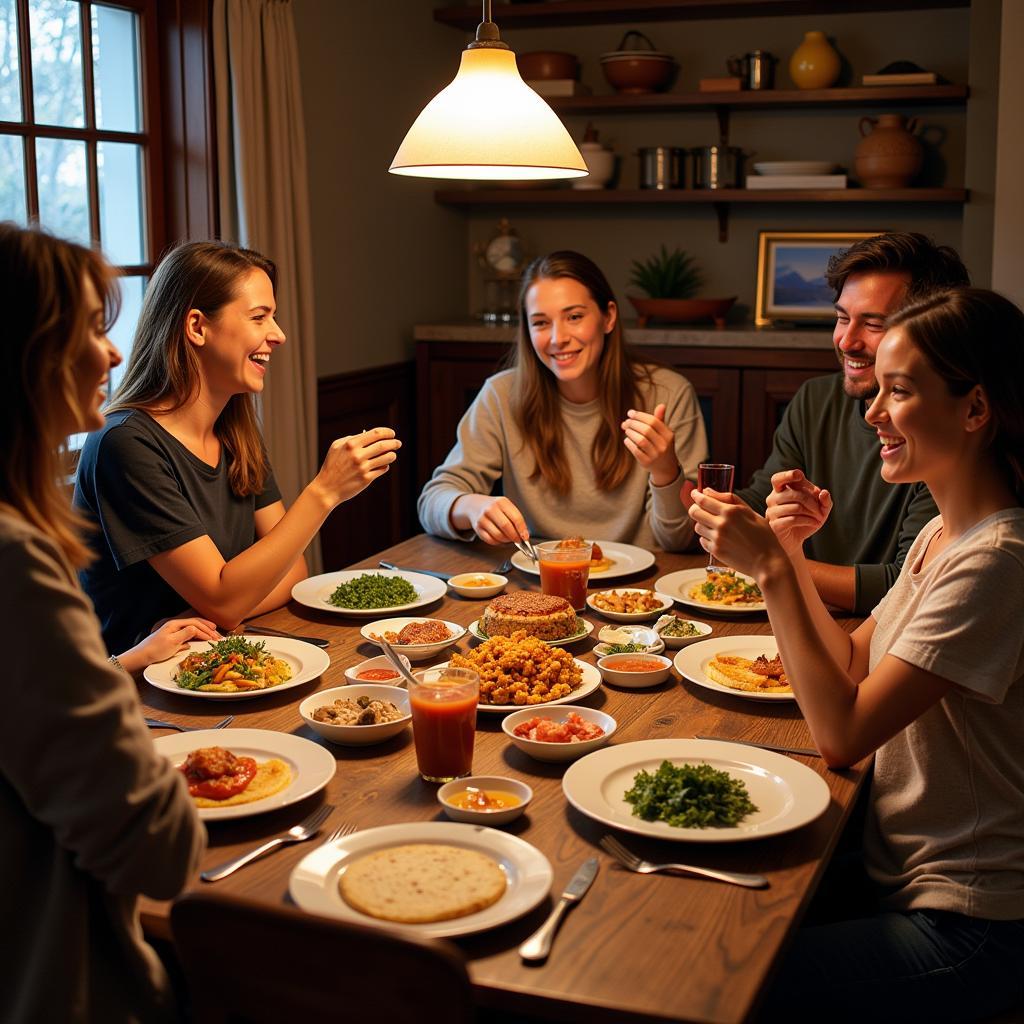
column 716, row 476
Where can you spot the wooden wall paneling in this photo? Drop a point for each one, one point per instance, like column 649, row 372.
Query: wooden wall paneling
column 384, row 513
column 719, row 393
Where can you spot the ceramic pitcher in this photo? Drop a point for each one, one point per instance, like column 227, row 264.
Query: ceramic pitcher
column 889, row 155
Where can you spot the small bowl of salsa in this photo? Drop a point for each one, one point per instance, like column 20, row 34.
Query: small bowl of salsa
column 484, row 799
column 634, row 671
column 477, row 585
column 376, row 670
column 560, row 733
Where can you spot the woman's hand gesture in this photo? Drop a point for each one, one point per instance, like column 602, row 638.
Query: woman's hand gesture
column 796, row 509
column 166, row 640
column 732, row 531
column 353, row 463
column 495, row 520
column 651, row 442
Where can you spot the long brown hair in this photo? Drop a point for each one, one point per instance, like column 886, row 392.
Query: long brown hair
column 163, row 369
column 971, row 336
column 45, row 333
column 535, row 398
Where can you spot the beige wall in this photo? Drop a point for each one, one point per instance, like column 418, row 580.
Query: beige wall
column 386, row 256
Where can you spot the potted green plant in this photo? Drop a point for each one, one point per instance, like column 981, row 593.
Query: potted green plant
column 671, row 281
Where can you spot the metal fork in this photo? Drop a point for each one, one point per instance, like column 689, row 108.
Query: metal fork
column 503, row 567
column 342, row 830
column 306, row 829
column 630, row 860
column 159, row 723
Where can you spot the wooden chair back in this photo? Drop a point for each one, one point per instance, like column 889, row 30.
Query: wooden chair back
column 246, row 961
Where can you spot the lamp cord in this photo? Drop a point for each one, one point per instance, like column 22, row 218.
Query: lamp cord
column 487, row 34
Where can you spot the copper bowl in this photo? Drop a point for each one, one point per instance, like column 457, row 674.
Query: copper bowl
column 543, row 64
column 636, row 71
column 681, row 311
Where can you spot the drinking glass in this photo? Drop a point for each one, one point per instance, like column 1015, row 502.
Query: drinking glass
column 564, row 571
column 719, row 477
column 443, row 703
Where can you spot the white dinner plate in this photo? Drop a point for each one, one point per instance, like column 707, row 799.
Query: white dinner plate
column 314, row 881
column 627, row 559
column 773, row 167
column 588, row 628
column 315, row 591
column 588, row 684
column 787, row 794
column 312, row 765
column 665, row 599
column 691, row 662
column 677, row 585
column 307, row 662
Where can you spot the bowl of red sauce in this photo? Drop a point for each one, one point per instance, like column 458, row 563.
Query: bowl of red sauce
column 376, row 670
column 634, row 671
column 560, row 733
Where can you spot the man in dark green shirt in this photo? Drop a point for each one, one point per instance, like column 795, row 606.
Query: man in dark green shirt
column 856, row 556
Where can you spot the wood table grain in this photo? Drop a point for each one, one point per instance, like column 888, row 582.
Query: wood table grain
column 638, row 947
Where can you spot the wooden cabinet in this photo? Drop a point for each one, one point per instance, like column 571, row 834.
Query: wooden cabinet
column 742, row 392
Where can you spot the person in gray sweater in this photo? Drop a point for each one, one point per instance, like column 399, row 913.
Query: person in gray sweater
column 584, row 439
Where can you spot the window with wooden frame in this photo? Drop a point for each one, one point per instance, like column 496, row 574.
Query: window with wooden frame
column 79, row 133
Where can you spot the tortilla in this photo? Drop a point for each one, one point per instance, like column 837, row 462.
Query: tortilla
column 422, row 882
column 271, row 777
column 737, row 673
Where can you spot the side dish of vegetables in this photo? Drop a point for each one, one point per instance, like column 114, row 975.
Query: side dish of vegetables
column 232, row 665
column 689, row 796
column 372, row 590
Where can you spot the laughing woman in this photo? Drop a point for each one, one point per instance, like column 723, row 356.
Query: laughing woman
column 583, row 437
column 91, row 816
column 178, row 482
column 932, row 682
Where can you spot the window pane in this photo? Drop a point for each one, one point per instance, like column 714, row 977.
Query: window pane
column 12, row 179
column 115, row 55
column 10, row 81
column 121, row 334
column 57, row 62
column 121, row 202
column 63, row 195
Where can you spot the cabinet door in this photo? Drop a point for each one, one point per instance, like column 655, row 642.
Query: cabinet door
column 766, row 393
column 718, row 391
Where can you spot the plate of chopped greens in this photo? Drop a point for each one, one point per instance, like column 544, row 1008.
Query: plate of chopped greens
column 700, row 791
column 238, row 666
column 368, row 593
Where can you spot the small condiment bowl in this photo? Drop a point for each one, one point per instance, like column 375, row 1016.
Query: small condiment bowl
column 485, row 782
column 379, row 662
column 633, row 680
column 558, row 752
column 675, row 642
column 611, row 635
column 414, row 652
column 496, row 584
column 357, row 735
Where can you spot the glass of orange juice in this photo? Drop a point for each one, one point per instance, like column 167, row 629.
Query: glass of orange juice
column 443, row 703
column 564, row 570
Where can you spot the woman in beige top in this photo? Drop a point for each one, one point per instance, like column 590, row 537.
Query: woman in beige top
column 932, row 682
column 91, row 816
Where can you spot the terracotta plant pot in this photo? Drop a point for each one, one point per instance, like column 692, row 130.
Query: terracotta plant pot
column 681, row 311
column 539, row 65
column 814, row 64
column 889, row 155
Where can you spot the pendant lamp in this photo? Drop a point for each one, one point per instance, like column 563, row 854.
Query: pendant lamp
column 488, row 124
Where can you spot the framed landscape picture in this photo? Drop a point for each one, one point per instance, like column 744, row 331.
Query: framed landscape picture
column 791, row 269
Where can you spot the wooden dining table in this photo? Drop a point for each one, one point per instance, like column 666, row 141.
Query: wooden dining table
column 638, row 947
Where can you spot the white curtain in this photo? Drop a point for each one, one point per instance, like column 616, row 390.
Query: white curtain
column 264, row 205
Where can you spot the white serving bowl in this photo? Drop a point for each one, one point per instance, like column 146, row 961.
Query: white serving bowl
column 666, row 602
column 497, row 584
column 675, row 642
column 558, row 752
column 380, row 661
column 414, row 652
column 493, row 782
column 357, row 735
column 634, row 680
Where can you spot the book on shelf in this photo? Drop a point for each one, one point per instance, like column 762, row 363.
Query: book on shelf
column 558, row 87
column 784, row 181
column 901, row 78
column 725, row 84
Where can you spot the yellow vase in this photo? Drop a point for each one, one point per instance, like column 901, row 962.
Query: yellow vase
column 814, row 64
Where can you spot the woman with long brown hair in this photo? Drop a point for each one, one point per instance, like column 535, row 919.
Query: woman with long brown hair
column 932, row 683
column 584, row 438
column 91, row 815
column 178, row 482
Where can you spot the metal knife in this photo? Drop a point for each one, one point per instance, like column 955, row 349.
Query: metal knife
column 446, row 576
column 802, row 751
column 316, row 641
column 538, row 945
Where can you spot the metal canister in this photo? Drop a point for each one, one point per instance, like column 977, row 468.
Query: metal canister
column 717, row 166
column 661, row 167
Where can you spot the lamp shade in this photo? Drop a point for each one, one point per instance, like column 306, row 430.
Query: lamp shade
column 488, row 125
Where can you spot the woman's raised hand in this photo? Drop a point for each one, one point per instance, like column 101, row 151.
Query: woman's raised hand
column 494, row 520
column 353, row 463
column 796, row 509
column 166, row 640
column 651, row 442
column 732, row 531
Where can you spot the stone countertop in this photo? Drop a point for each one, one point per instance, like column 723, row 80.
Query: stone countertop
column 696, row 337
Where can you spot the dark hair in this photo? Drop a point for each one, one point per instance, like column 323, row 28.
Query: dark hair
column 931, row 267
column 163, row 369
column 535, row 397
column 42, row 292
column 971, row 336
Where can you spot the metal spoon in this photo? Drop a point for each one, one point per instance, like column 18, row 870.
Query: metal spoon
column 392, row 655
